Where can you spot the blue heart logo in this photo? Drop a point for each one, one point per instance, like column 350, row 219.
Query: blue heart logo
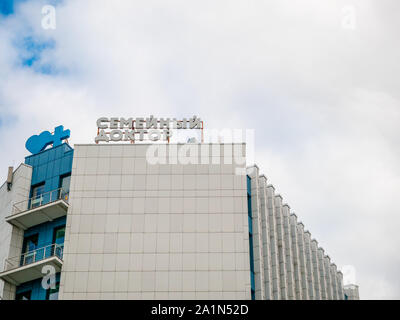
column 38, row 143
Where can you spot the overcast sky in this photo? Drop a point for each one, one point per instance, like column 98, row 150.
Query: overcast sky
column 318, row 81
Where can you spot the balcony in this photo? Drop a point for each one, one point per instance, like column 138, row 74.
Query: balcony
column 36, row 210
column 28, row 266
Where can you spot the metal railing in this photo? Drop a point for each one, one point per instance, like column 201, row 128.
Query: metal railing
column 53, row 250
column 40, row 200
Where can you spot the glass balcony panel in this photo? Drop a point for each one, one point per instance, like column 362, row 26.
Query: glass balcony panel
column 39, row 209
column 28, row 266
column 53, row 250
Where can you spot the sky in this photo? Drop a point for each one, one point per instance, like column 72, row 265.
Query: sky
column 318, row 82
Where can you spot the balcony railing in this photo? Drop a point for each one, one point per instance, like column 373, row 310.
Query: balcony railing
column 40, row 200
column 53, row 250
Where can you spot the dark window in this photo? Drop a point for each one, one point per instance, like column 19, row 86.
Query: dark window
column 250, row 219
column 64, row 183
column 38, row 190
column 28, row 249
column 58, row 239
column 59, row 235
column 37, row 195
column 52, row 294
column 26, row 295
column 30, row 243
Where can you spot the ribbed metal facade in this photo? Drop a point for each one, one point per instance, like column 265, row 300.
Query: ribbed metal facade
column 288, row 263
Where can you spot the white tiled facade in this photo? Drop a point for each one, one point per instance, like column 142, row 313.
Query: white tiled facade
column 164, row 231
column 10, row 236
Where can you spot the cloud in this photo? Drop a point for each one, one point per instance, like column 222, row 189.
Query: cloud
column 323, row 98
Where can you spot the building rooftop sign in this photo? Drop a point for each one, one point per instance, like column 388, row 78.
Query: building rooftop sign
column 140, row 129
column 38, row 143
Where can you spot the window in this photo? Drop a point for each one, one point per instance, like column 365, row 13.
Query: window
column 52, row 294
column 38, row 190
column 28, row 249
column 26, row 295
column 37, row 195
column 64, row 183
column 30, row 243
column 58, row 235
column 253, row 294
column 250, row 219
column 58, row 239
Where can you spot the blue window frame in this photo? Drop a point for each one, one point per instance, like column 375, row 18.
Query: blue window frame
column 249, row 210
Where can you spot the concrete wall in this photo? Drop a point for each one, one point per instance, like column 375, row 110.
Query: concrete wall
column 258, row 233
column 11, row 237
column 283, row 279
column 316, row 269
column 296, row 254
column 340, row 285
column 273, row 249
column 267, row 256
column 302, row 261
column 288, row 252
column 165, row 231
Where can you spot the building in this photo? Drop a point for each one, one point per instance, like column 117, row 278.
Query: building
column 101, row 221
column 351, row 292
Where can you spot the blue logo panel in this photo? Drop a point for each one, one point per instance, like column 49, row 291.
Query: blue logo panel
column 38, row 143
